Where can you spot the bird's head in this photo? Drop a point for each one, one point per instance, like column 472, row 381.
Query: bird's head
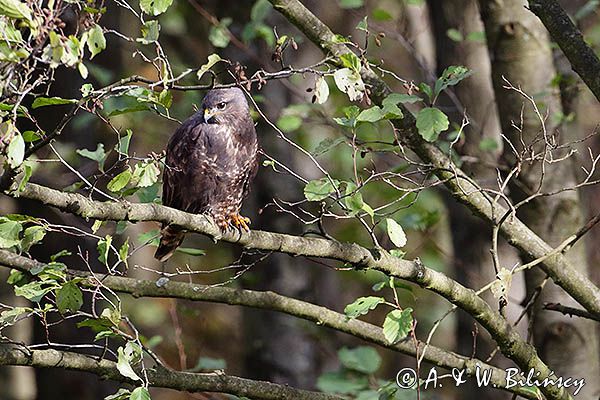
column 221, row 105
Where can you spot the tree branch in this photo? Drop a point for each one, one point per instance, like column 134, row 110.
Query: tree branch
column 509, row 341
column 461, row 186
column 570, row 311
column 275, row 302
column 157, row 376
column 582, row 57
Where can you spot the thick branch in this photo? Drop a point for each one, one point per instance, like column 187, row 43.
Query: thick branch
column 460, row 185
column 582, row 57
column 511, row 344
column 158, row 376
column 275, row 302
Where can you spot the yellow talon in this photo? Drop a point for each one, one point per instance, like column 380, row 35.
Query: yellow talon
column 240, row 222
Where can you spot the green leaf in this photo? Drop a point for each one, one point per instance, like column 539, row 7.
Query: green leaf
column 349, row 82
column 27, row 171
column 31, row 136
column 69, row 298
column 321, row 90
column 96, row 42
column 10, row 33
column 191, row 251
column 155, row 7
column 319, row 189
column 369, row 395
column 149, row 194
column 391, row 282
column 150, row 32
column 109, row 318
column 51, row 101
column 397, row 325
column 353, row 199
column 123, row 145
column 425, row 88
column 363, row 25
column 122, row 394
column 338, row 382
column 54, row 51
column 61, row 253
column 219, row 35
column 454, row 35
column 209, row 364
column 351, row 114
column 327, row 144
column 380, row 14
column 15, row 9
column 103, row 249
column 83, row 71
column 10, row 316
column 130, row 109
column 476, row 36
column 289, row 123
column 98, row 155
column 362, row 306
column 212, row 60
column 351, row 3
column 15, row 152
column 32, row 235
column 450, row 77
column 124, row 251
column 397, row 253
column 9, row 234
column 395, row 98
column 488, row 144
column 372, row 114
column 362, row 359
column 120, row 181
column 140, row 393
column 145, row 174
column 150, row 237
column 71, row 51
column 15, row 277
column 33, row 291
column 124, row 366
column 395, row 232
column 431, row 122
column 260, row 10
column 351, row 60
column 97, row 224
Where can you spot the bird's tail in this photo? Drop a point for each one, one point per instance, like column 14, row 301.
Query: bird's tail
column 171, row 238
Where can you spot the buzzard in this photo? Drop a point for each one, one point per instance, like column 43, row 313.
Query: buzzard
column 211, row 160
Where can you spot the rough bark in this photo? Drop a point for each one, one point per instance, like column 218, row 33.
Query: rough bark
column 268, row 300
column 158, row 376
column 582, row 57
column 509, row 341
column 522, row 55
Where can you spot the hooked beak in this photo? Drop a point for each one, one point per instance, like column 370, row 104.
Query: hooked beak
column 208, row 115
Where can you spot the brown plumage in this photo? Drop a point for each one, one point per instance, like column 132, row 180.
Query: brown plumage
column 211, row 160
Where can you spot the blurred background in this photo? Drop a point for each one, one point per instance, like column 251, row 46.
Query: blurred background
column 415, row 39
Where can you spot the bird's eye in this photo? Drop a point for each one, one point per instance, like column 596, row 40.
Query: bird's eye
column 221, row 105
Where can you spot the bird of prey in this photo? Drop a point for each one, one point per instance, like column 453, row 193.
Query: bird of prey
column 211, row 161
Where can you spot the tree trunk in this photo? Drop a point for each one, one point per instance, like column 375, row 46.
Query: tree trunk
column 521, row 54
column 471, row 237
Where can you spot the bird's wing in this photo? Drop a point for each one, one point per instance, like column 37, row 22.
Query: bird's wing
column 178, row 164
